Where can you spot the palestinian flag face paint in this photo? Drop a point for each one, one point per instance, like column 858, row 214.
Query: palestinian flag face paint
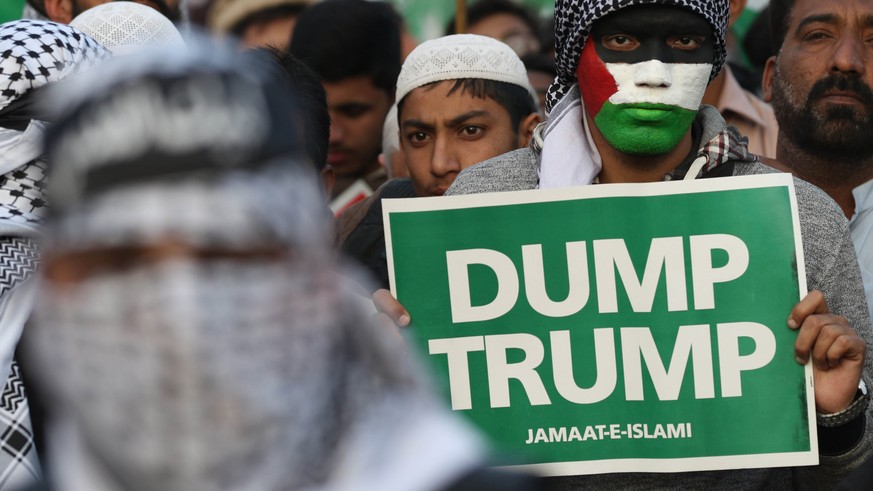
column 642, row 75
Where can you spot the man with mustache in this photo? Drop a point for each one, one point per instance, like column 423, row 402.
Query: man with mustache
column 821, row 88
column 64, row 11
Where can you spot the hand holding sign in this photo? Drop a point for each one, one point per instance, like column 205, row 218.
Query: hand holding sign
column 836, row 349
column 388, row 306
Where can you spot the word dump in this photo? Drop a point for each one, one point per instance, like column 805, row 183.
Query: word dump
column 666, row 257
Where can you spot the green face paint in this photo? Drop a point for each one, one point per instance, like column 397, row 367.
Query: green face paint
column 643, row 128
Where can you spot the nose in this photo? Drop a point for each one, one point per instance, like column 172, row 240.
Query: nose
column 336, row 131
column 444, row 160
column 849, row 56
column 654, row 73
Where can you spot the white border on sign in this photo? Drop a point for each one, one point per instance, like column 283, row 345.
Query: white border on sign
column 749, row 461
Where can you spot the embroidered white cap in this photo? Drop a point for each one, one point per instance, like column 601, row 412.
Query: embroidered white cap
column 127, row 27
column 461, row 56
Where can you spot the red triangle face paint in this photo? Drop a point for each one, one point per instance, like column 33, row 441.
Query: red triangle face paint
column 596, row 84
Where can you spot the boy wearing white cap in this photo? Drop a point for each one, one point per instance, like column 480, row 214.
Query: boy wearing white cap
column 461, row 99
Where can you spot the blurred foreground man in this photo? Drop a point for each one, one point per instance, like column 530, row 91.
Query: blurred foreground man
column 821, row 87
column 194, row 331
column 626, row 108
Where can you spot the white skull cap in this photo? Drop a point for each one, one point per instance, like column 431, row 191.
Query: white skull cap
column 461, row 56
column 128, row 27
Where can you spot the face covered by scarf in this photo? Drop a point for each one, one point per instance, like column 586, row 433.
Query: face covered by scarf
column 642, row 75
column 192, row 320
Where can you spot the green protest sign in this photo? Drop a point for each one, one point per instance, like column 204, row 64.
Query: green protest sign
column 607, row 328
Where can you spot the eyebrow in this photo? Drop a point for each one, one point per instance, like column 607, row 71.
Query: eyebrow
column 464, row 117
column 349, row 106
column 812, row 19
column 421, row 125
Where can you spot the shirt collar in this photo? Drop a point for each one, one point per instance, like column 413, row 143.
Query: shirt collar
column 734, row 99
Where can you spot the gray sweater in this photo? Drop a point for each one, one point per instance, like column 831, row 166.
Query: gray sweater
column 831, row 267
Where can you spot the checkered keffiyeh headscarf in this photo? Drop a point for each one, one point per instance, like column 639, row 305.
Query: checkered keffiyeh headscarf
column 574, row 18
column 34, row 53
column 215, row 372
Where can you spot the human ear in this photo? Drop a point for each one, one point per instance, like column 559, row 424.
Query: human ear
column 767, row 79
column 526, row 128
column 736, row 8
column 328, row 178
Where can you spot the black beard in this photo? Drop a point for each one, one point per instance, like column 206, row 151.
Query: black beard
column 840, row 135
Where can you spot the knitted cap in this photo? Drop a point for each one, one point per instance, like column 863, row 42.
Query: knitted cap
column 461, row 56
column 574, row 18
column 225, row 15
column 126, row 27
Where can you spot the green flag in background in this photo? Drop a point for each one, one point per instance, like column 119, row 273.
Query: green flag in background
column 11, row 10
column 612, row 328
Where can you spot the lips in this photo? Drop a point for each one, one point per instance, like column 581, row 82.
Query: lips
column 438, row 191
column 843, row 96
column 648, row 113
column 335, row 157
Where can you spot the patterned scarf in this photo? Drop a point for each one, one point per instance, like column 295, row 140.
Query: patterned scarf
column 226, row 370
column 573, row 20
column 33, row 54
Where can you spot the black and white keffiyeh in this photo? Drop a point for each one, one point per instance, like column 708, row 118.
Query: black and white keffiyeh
column 33, row 54
column 573, row 20
column 208, row 372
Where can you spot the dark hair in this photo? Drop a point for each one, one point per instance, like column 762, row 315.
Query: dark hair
column 758, row 44
column 517, row 101
column 265, row 15
column 38, row 5
column 780, row 21
column 339, row 39
column 313, row 106
column 487, row 8
column 538, row 62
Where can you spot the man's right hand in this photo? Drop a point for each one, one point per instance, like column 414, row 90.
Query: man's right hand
column 388, row 306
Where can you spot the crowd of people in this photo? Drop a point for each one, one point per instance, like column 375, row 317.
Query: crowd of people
column 193, row 267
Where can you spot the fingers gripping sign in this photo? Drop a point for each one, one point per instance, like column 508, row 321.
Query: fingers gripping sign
column 836, row 350
column 387, row 305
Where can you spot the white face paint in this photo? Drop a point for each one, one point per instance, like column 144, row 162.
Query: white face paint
column 655, row 82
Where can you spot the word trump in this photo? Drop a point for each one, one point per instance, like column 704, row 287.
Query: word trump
column 610, row 255
column 694, row 344
column 637, row 348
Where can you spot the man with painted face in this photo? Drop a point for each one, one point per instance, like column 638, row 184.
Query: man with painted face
column 635, row 116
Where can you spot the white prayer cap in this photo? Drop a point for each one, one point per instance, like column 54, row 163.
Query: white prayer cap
column 461, row 56
column 127, row 27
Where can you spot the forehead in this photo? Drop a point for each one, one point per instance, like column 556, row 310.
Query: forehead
column 832, row 11
column 666, row 19
column 434, row 98
column 498, row 24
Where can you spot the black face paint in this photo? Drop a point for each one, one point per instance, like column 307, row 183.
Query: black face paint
column 653, row 32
